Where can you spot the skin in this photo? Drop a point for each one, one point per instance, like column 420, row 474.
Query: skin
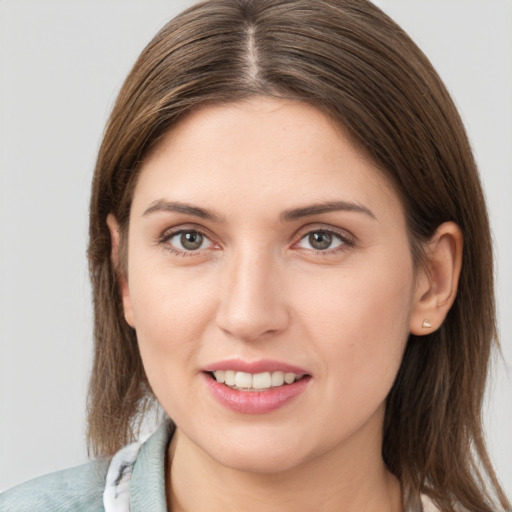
column 258, row 289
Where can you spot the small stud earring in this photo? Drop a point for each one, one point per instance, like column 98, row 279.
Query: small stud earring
column 426, row 324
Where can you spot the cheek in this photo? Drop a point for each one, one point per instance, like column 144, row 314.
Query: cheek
column 360, row 321
column 171, row 311
column 171, row 315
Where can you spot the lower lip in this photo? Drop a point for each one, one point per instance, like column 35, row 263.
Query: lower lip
column 256, row 402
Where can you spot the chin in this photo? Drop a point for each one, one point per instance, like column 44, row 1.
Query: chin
column 259, row 461
column 258, row 451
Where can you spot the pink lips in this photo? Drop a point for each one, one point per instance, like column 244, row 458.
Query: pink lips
column 263, row 365
column 255, row 402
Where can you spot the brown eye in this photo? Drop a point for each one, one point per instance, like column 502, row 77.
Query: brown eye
column 188, row 241
column 320, row 240
column 191, row 240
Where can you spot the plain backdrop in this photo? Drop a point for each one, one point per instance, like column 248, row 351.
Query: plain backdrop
column 61, row 65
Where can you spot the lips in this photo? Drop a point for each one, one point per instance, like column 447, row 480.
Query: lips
column 263, row 365
column 257, row 381
column 255, row 387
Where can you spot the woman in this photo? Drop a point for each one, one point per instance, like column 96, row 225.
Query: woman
column 290, row 251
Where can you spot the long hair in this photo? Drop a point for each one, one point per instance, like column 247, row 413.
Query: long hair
column 347, row 58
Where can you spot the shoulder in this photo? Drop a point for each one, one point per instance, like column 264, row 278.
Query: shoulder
column 84, row 488
column 78, row 489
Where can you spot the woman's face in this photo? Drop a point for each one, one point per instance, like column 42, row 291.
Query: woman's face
column 263, row 242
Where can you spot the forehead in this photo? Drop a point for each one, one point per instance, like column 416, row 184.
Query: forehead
column 261, row 153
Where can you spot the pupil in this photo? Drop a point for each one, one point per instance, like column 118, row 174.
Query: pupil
column 320, row 240
column 191, row 240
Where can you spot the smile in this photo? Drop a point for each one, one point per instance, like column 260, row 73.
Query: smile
column 255, row 382
column 258, row 387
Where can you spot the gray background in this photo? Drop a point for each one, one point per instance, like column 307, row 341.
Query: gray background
column 61, row 64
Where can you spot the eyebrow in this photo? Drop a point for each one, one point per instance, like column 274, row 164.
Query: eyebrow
column 161, row 205
column 317, row 209
column 174, row 206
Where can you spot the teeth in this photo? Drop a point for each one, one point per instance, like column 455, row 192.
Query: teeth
column 243, row 380
column 277, row 379
column 262, row 380
column 265, row 380
column 289, row 378
column 229, row 377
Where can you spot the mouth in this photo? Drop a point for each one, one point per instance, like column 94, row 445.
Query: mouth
column 244, row 381
column 255, row 387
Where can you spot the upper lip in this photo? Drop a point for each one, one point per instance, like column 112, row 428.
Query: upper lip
column 260, row 366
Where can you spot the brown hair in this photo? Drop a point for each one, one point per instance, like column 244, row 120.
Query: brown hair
column 349, row 59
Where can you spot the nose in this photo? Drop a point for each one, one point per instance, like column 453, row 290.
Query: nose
column 252, row 303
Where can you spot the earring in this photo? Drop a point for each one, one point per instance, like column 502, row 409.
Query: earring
column 426, row 324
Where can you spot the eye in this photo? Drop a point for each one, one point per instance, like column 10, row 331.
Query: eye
column 322, row 240
column 188, row 241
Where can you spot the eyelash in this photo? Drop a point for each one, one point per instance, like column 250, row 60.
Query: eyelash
column 346, row 241
column 169, row 234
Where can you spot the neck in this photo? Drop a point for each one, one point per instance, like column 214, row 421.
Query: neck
column 347, row 479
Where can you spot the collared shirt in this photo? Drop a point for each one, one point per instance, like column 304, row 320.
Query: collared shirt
column 132, row 481
column 84, row 489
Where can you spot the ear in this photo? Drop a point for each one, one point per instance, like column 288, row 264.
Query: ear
column 113, row 227
column 436, row 285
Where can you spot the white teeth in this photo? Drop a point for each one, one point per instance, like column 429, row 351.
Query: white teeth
column 265, row 380
column 277, row 378
column 262, row 381
column 220, row 375
column 289, row 378
column 243, row 380
column 229, row 377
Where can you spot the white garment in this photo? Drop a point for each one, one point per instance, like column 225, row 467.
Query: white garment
column 116, row 497
column 428, row 506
